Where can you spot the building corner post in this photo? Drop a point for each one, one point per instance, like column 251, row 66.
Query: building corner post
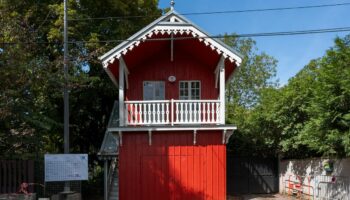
column 121, row 92
column 222, row 89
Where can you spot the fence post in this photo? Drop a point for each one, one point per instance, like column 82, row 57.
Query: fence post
column 106, row 179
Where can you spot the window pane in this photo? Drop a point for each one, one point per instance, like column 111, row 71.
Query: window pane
column 153, row 90
column 183, row 85
column 182, row 92
column 193, row 84
column 193, row 92
column 189, row 90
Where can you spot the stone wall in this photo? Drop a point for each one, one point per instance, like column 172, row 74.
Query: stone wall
column 308, row 177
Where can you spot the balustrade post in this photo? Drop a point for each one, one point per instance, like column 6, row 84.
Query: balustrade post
column 172, row 112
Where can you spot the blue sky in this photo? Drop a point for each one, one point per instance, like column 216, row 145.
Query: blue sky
column 292, row 52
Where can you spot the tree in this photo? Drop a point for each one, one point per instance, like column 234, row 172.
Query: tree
column 310, row 115
column 328, row 129
column 31, row 71
column 24, row 84
column 31, row 74
column 243, row 95
column 256, row 72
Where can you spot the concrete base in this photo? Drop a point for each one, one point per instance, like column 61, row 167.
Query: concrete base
column 66, row 196
column 18, row 196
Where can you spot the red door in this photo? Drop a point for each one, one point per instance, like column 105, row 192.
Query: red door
column 172, row 167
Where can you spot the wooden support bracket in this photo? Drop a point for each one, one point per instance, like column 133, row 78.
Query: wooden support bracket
column 120, row 138
column 228, row 135
column 194, row 137
column 149, row 137
column 224, row 136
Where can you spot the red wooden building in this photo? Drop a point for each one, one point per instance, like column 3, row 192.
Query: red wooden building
column 168, row 126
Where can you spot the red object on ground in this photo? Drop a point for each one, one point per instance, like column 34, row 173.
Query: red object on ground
column 172, row 167
column 23, row 189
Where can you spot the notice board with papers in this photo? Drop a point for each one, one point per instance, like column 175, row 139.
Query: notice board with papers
column 66, row 167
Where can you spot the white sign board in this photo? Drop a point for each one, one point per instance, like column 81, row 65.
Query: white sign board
column 66, row 167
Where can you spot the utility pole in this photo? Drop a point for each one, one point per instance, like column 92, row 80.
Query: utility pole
column 66, row 91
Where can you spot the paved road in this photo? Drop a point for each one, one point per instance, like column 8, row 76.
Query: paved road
column 260, row 197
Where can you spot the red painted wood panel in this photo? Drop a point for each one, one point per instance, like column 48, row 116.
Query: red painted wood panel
column 172, row 167
column 186, row 66
column 150, row 51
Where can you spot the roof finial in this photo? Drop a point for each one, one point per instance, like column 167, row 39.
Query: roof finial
column 172, row 3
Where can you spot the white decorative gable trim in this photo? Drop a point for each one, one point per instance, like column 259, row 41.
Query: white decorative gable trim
column 174, row 19
column 177, row 25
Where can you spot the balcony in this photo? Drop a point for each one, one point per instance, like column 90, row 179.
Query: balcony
column 165, row 115
column 173, row 112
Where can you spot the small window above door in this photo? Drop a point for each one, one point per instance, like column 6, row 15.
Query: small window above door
column 153, row 90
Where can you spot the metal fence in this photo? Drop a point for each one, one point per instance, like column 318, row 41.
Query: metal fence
column 15, row 172
column 332, row 187
column 251, row 175
column 320, row 187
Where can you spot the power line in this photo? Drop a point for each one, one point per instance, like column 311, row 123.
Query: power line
column 267, row 34
column 217, row 12
column 269, row 9
column 245, row 35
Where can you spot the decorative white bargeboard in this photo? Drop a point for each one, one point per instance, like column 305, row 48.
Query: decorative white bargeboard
column 66, row 167
column 172, row 112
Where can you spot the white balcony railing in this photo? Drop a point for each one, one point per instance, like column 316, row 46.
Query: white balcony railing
column 170, row 112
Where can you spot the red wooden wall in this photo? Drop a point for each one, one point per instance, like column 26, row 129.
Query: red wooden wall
column 172, row 167
column 150, row 61
column 191, row 62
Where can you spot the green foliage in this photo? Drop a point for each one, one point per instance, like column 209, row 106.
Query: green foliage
column 256, row 72
column 31, row 72
column 328, row 130
column 243, row 95
column 31, row 76
column 315, row 106
column 310, row 116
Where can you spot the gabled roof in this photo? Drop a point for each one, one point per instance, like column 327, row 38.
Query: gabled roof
column 171, row 22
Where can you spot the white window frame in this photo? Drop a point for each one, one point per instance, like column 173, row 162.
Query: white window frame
column 190, row 96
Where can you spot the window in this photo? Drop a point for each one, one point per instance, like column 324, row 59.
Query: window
column 153, row 90
column 190, row 90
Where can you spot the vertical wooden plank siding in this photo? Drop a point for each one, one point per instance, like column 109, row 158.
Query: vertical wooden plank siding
column 160, row 68
column 172, row 167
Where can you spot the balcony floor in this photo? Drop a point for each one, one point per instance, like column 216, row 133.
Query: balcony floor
column 195, row 127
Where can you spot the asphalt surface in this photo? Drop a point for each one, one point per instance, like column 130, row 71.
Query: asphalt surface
column 260, row 197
